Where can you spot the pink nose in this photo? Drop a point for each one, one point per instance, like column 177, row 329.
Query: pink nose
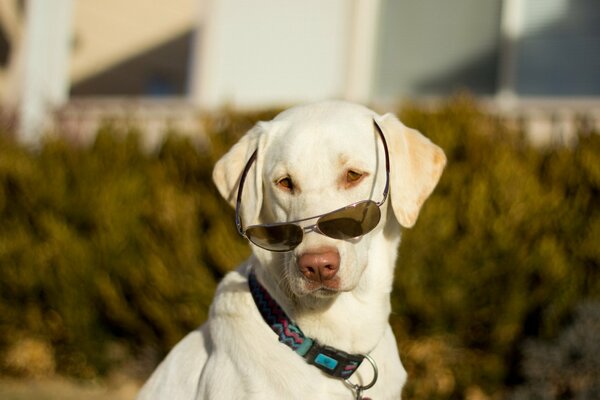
column 319, row 266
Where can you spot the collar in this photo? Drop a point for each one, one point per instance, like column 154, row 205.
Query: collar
column 330, row 360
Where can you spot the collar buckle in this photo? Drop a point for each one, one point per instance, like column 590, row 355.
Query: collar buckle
column 332, row 361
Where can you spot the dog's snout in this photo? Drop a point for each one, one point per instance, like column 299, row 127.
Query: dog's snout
column 319, row 266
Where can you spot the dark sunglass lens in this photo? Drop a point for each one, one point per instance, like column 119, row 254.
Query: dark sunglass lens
column 276, row 237
column 350, row 222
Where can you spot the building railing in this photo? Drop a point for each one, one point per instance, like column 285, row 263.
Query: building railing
column 545, row 120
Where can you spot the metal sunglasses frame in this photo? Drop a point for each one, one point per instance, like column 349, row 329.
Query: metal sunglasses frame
column 314, row 227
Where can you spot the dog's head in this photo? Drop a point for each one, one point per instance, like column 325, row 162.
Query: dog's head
column 314, row 159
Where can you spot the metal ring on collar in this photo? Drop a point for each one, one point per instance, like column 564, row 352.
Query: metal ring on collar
column 360, row 388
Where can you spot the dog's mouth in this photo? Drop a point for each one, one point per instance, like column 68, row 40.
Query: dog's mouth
column 325, row 293
column 325, row 289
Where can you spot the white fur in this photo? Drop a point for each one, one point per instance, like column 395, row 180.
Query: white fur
column 235, row 355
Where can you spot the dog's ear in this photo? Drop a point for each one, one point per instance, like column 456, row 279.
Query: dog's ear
column 416, row 165
column 228, row 171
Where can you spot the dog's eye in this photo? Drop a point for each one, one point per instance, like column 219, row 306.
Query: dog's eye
column 286, row 184
column 353, row 176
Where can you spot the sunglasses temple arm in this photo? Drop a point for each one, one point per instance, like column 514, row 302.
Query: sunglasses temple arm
column 238, row 203
column 387, row 162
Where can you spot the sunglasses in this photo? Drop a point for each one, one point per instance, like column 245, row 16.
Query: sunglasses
column 349, row 222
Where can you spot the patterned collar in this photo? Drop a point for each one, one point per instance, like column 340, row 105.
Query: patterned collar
column 333, row 362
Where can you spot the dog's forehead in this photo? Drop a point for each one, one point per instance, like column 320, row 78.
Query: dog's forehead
column 322, row 133
column 313, row 147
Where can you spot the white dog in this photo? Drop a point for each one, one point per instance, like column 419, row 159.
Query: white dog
column 321, row 192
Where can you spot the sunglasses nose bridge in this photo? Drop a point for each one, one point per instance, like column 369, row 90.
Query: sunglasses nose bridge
column 311, row 228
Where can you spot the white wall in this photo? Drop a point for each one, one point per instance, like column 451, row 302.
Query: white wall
column 272, row 52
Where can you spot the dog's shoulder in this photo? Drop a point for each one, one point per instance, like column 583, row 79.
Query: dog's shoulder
column 233, row 298
column 177, row 375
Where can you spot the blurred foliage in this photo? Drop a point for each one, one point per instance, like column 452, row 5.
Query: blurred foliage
column 109, row 253
column 504, row 250
column 109, row 245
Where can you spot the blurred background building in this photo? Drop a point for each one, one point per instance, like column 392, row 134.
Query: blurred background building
column 78, row 61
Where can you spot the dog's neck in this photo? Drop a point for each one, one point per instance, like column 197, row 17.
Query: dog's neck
column 352, row 321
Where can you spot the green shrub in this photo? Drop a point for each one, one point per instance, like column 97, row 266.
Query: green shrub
column 107, row 245
column 504, row 250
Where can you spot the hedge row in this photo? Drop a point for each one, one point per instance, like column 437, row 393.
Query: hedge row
column 109, row 254
column 504, row 251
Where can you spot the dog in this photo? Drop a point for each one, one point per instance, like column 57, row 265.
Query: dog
column 322, row 193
